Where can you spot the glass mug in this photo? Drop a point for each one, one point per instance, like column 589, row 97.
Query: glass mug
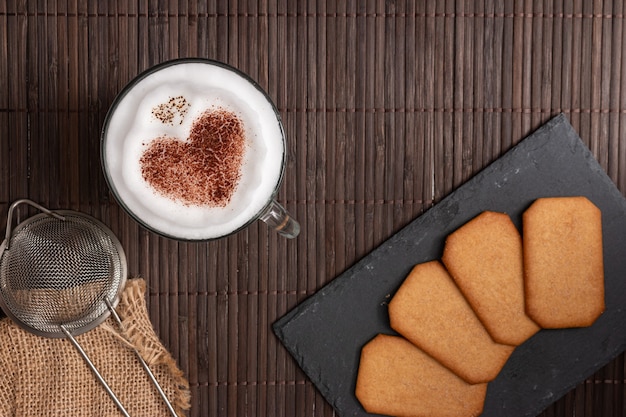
column 194, row 149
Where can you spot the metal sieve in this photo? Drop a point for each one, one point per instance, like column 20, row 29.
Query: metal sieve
column 62, row 274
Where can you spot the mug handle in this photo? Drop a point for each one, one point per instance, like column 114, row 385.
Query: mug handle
column 276, row 217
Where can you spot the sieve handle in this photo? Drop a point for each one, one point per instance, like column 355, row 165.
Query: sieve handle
column 95, row 371
column 9, row 231
column 141, row 361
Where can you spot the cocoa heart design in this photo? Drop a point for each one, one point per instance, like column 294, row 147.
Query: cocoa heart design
column 202, row 170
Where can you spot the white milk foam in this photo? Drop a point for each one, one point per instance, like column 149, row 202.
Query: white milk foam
column 133, row 126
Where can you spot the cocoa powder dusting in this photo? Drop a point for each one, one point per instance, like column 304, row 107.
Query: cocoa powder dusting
column 205, row 169
column 174, row 110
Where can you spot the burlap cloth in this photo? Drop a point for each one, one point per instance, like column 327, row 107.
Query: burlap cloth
column 41, row 376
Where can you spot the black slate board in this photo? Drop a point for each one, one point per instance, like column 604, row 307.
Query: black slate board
column 325, row 333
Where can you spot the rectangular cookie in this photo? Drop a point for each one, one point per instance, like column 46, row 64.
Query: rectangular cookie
column 429, row 310
column 484, row 257
column 396, row 378
column 563, row 262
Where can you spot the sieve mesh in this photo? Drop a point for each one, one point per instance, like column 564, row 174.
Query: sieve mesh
column 59, row 272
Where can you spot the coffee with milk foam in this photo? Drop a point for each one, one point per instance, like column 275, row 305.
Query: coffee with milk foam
column 172, row 107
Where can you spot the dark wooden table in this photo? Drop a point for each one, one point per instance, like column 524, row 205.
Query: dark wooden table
column 388, row 107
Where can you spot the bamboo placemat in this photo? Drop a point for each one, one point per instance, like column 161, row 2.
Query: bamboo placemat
column 388, row 107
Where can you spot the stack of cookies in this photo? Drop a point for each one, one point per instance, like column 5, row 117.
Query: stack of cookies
column 460, row 318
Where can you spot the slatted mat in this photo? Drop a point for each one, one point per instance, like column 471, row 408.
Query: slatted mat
column 388, row 106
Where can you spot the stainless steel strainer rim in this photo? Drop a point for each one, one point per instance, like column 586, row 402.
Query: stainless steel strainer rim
column 112, row 295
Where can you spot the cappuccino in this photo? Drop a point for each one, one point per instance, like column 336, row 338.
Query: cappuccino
column 193, row 150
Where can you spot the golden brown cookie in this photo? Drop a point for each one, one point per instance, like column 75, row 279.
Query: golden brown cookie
column 484, row 257
column 563, row 264
column 429, row 310
column 396, row 378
